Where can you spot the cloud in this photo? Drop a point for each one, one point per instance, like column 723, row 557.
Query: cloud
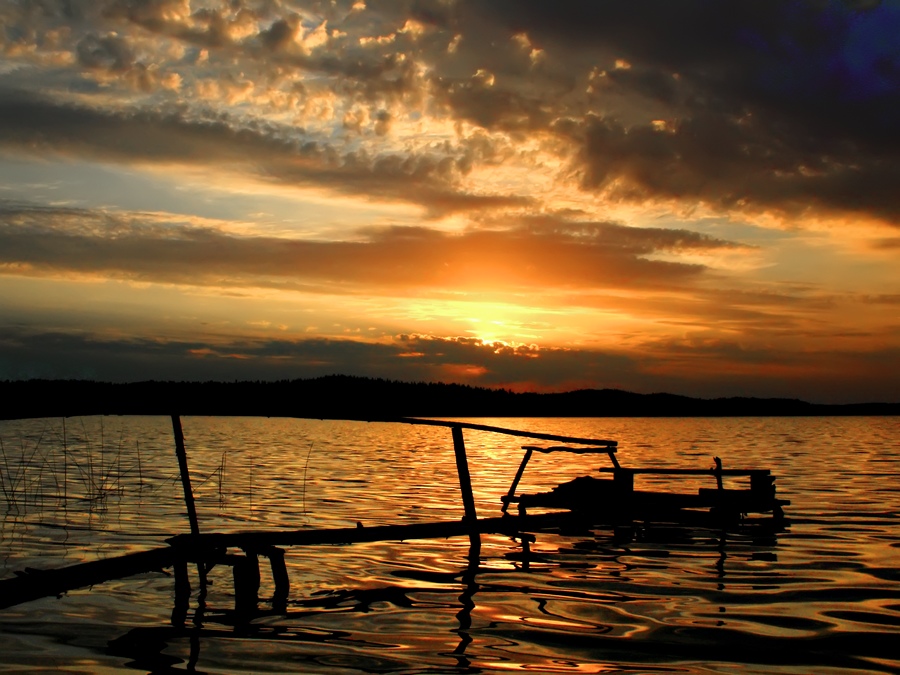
column 744, row 106
column 542, row 253
column 109, row 52
column 25, row 354
column 284, row 155
column 517, row 366
column 826, row 374
column 749, row 107
column 850, row 377
column 734, row 164
column 60, row 355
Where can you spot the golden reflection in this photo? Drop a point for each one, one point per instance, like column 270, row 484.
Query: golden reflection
column 434, row 601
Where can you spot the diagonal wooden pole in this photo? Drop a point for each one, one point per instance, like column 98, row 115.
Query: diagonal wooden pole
column 465, row 486
column 185, row 476
column 182, row 585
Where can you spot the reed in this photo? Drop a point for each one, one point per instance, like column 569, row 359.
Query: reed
column 9, row 481
column 100, row 470
column 217, row 474
column 64, row 470
column 40, row 472
column 221, row 477
column 17, row 486
column 305, row 472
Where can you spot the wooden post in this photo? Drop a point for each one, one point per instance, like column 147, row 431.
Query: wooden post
column 185, row 476
column 465, row 486
column 465, row 480
column 623, row 480
column 762, row 485
column 279, row 576
column 182, row 592
column 246, row 582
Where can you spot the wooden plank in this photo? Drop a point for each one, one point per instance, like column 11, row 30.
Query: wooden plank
column 563, row 448
column 498, row 430
column 508, row 524
column 739, row 497
column 34, row 584
column 687, row 472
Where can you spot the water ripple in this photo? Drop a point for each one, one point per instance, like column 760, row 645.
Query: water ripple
column 822, row 596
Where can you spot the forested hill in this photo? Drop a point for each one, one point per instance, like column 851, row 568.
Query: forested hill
column 364, row 398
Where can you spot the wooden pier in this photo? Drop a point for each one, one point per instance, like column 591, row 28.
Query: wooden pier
column 586, row 501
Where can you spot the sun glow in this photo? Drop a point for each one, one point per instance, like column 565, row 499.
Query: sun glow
column 488, row 331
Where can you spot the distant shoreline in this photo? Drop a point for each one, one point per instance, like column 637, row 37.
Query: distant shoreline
column 347, row 397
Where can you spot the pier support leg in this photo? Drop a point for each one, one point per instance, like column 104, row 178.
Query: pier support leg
column 246, row 583
column 464, row 615
column 280, row 577
column 182, row 593
column 465, row 485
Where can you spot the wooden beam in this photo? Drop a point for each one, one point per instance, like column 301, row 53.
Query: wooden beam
column 687, row 472
column 33, row 584
column 257, row 539
column 498, row 430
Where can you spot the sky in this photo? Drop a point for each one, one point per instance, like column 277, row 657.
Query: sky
column 691, row 196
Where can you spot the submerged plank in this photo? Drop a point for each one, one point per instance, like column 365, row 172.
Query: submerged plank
column 510, row 525
column 33, row 584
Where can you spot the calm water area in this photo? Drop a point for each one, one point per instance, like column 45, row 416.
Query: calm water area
column 821, row 596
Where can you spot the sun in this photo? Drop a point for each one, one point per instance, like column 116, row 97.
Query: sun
column 489, row 331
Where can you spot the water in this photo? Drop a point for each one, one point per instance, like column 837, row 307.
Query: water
column 822, row 596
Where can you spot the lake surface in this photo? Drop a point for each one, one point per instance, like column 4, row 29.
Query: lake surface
column 821, row 596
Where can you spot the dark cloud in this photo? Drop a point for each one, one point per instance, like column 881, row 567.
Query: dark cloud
column 109, row 52
column 734, row 163
column 32, row 123
column 799, row 54
column 634, row 240
column 763, row 104
column 541, row 253
column 499, row 364
column 26, row 354
column 781, row 105
column 705, row 366
column 495, row 107
column 681, row 366
column 285, row 155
